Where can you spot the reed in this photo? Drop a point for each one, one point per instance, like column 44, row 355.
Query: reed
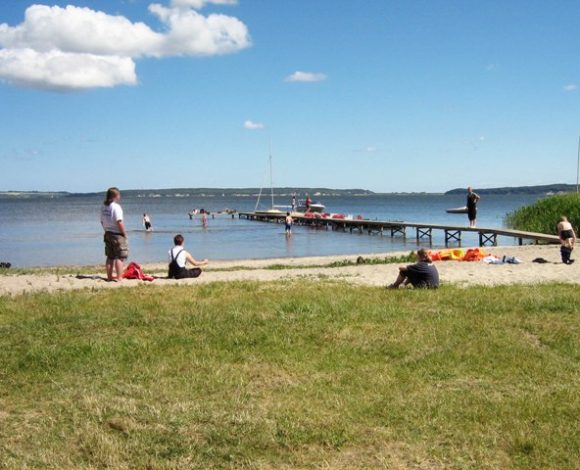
column 544, row 215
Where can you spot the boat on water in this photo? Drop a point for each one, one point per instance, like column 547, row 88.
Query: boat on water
column 315, row 207
column 304, row 207
column 457, row 210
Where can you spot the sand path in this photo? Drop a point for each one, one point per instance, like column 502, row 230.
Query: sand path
column 459, row 273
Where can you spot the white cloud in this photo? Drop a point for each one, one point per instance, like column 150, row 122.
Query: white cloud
column 79, row 48
column 65, row 71
column 190, row 33
column 199, row 4
column 570, row 87
column 306, row 77
column 252, row 126
column 370, row 149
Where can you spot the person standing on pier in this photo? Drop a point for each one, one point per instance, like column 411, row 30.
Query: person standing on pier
column 472, row 200
column 293, row 202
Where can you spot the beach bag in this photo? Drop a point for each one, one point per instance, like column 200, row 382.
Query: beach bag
column 174, row 268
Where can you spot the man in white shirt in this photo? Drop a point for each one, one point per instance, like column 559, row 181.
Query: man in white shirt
column 116, row 247
column 178, row 259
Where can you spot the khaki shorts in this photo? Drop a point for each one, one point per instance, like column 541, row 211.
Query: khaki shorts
column 116, row 246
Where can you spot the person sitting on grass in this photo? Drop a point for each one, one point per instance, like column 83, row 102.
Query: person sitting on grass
column 422, row 274
column 178, row 259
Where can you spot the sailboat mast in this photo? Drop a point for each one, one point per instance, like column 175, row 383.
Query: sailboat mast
column 271, row 177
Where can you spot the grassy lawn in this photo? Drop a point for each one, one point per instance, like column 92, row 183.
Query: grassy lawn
column 291, row 375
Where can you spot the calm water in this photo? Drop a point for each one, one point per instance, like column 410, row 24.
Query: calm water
column 51, row 232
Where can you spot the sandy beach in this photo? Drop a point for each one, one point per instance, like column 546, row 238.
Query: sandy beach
column 451, row 272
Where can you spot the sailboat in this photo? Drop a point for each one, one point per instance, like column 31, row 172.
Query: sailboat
column 273, row 209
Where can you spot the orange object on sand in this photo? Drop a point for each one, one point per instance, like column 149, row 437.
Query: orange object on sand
column 458, row 254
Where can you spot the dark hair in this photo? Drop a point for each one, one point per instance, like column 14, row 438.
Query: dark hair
column 287, row 213
column 112, row 193
column 178, row 239
column 423, row 254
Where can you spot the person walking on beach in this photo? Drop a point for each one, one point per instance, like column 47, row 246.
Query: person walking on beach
column 422, row 274
column 289, row 223
column 567, row 239
column 178, row 259
column 147, row 222
column 116, row 246
column 472, row 200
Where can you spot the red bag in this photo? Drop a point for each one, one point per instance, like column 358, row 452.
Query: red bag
column 134, row 271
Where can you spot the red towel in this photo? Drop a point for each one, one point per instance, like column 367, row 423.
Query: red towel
column 135, row 271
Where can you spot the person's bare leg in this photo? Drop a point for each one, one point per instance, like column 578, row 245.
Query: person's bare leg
column 119, row 269
column 400, row 280
column 109, row 265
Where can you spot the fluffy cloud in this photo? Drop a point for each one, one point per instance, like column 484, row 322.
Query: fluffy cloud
column 306, row 77
column 252, row 126
column 199, row 4
column 79, row 48
column 58, row 70
column 570, row 87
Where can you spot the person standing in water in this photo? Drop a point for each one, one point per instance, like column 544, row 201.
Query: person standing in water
column 472, row 200
column 567, row 239
column 289, row 223
column 147, row 222
column 116, row 246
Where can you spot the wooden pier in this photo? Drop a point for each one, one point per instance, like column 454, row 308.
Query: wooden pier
column 422, row 231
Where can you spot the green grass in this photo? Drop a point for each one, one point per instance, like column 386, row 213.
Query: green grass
column 291, row 375
column 544, row 215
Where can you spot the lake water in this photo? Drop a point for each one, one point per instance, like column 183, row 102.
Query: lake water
column 66, row 231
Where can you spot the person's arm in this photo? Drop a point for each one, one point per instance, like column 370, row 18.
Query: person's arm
column 194, row 262
column 477, row 198
column 121, row 226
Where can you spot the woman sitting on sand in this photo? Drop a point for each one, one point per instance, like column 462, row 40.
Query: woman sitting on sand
column 567, row 239
column 178, row 259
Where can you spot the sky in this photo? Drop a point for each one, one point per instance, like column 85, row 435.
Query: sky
column 376, row 94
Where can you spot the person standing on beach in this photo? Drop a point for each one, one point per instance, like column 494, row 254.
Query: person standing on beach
column 147, row 222
column 289, row 223
column 116, row 246
column 567, row 239
column 472, row 200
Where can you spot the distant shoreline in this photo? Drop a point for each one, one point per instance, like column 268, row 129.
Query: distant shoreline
column 288, row 191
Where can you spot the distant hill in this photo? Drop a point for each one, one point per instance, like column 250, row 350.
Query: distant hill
column 542, row 189
column 197, row 192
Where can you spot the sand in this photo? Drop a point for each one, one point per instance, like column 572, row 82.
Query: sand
column 451, row 272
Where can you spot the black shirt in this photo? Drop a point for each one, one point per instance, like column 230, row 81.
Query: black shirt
column 423, row 274
column 472, row 200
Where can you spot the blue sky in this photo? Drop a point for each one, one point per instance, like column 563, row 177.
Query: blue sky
column 393, row 96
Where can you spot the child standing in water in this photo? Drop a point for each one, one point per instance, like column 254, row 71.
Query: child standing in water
column 147, row 222
column 289, row 223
